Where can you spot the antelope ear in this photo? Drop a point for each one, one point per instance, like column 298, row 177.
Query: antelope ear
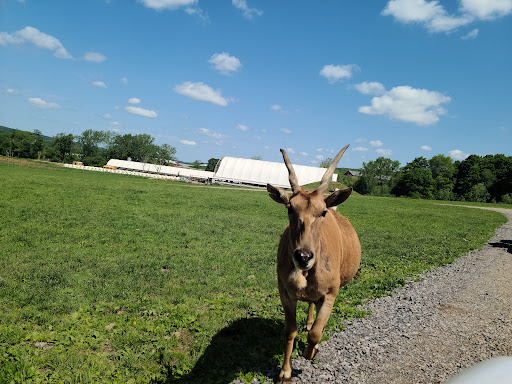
column 337, row 197
column 279, row 195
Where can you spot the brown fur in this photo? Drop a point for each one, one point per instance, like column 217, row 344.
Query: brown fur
column 337, row 255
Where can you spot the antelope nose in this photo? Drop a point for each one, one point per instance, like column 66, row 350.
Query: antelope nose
column 302, row 256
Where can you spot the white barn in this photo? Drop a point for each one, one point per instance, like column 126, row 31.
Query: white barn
column 160, row 169
column 258, row 173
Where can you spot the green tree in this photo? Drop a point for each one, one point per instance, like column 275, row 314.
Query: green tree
column 137, row 147
column 37, row 146
column 196, row 164
column 212, row 163
column 469, row 173
column 92, row 147
column 377, row 177
column 326, row 163
column 478, row 193
column 415, row 180
column 443, row 172
column 62, row 148
column 21, row 142
column 164, row 154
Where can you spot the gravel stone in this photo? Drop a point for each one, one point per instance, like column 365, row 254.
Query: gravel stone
column 427, row 331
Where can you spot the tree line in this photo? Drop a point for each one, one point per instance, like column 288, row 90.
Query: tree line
column 93, row 148
column 477, row 178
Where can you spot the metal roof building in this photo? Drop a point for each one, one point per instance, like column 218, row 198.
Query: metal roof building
column 160, row 169
column 257, row 172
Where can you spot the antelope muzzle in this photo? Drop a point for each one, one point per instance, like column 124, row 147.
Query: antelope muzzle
column 303, row 259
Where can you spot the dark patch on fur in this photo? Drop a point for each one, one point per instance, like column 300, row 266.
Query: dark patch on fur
column 327, row 259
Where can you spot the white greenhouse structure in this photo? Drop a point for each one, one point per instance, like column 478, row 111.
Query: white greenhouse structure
column 160, row 169
column 234, row 170
column 229, row 170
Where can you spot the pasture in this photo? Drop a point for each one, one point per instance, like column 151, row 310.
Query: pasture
column 116, row 278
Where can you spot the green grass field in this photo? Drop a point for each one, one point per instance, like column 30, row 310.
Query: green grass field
column 121, row 279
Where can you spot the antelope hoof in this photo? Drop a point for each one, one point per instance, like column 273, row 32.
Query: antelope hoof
column 308, row 327
column 310, row 351
column 285, row 376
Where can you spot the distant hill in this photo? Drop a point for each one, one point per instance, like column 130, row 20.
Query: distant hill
column 8, row 130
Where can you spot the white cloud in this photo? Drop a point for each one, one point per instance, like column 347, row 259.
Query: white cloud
column 38, row 38
column 134, row 100
column 457, row 154
column 94, row 57
column 376, row 143
column 286, row 130
column 487, row 9
column 141, row 112
column 124, row 80
column 334, row 73
column 435, row 18
column 305, row 154
column 384, row 152
column 99, row 84
column 408, row 104
column 201, row 92
column 291, row 151
column 276, row 107
column 248, row 12
column 188, row 142
column 224, row 63
column 319, row 157
column 39, row 103
column 360, row 149
column 107, row 116
column 12, row 92
column 429, row 13
column 243, row 128
column 471, row 35
column 426, row 148
column 167, row 4
column 207, row 132
column 407, row 11
column 370, row 88
column 198, row 12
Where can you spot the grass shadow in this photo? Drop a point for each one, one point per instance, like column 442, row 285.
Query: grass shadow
column 246, row 346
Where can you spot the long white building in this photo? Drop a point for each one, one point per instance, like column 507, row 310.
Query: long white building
column 160, row 169
column 259, row 173
column 231, row 170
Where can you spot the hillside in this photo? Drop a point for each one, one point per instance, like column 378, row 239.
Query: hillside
column 8, row 130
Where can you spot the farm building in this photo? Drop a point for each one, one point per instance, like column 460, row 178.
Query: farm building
column 187, row 173
column 258, row 173
column 352, row 173
column 230, row 170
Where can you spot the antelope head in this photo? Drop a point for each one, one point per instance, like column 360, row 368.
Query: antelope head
column 307, row 212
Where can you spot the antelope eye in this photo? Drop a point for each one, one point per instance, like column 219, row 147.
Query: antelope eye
column 324, row 213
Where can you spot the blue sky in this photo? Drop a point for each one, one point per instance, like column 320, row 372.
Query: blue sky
column 243, row 78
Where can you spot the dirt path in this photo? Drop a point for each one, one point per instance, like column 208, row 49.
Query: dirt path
column 427, row 331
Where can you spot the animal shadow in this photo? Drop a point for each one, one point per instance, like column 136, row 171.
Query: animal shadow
column 245, row 345
column 507, row 244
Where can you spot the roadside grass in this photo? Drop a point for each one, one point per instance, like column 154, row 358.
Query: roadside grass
column 115, row 278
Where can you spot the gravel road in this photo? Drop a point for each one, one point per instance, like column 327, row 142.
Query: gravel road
column 428, row 331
